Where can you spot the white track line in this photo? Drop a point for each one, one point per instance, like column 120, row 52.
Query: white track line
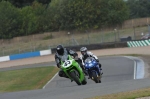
column 134, row 76
column 138, row 67
column 50, row 80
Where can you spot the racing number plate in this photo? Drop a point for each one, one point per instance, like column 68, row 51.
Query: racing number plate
column 67, row 63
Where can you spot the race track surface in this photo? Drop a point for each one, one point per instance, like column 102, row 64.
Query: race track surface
column 118, row 76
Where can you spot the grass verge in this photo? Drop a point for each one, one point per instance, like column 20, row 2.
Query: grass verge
column 26, row 79
column 126, row 95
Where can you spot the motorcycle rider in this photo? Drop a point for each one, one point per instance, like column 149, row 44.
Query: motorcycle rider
column 85, row 54
column 60, row 51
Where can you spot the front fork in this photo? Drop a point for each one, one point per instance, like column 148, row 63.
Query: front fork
column 98, row 70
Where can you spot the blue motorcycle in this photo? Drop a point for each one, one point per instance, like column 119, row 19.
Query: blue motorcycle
column 92, row 67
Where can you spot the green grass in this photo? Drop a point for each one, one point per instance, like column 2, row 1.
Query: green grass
column 26, row 79
column 126, row 95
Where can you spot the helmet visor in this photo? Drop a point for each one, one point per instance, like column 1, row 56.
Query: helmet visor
column 83, row 52
column 60, row 51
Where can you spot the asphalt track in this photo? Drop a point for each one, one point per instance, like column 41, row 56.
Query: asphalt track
column 118, row 76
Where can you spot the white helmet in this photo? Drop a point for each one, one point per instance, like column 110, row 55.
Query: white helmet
column 83, row 50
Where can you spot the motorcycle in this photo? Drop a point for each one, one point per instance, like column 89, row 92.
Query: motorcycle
column 73, row 70
column 92, row 67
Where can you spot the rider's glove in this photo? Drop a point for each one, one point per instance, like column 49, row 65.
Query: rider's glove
column 97, row 60
column 75, row 57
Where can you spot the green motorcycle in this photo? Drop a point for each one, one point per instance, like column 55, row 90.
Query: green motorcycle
column 73, row 70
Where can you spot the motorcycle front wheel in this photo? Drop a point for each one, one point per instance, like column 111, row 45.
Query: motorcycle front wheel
column 95, row 78
column 75, row 76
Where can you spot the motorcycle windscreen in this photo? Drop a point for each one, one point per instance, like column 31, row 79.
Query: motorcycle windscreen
column 89, row 60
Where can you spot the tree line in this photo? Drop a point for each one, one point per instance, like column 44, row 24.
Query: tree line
column 26, row 17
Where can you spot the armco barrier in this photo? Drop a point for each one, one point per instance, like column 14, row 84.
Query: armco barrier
column 138, row 43
column 4, row 58
column 25, row 55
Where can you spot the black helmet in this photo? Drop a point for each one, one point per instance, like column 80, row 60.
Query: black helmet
column 83, row 50
column 60, row 49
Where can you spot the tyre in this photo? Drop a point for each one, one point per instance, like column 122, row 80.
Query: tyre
column 95, row 78
column 75, row 77
column 84, row 82
column 100, row 81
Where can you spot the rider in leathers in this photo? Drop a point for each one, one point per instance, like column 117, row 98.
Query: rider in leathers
column 60, row 51
column 85, row 54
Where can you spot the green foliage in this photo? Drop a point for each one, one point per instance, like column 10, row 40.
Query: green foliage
column 29, row 20
column 139, row 8
column 81, row 14
column 60, row 15
column 9, row 20
column 44, row 1
column 20, row 3
column 39, row 10
column 32, row 19
column 23, row 3
column 53, row 14
column 117, row 11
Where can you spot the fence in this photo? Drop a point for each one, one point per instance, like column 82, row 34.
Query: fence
column 50, row 40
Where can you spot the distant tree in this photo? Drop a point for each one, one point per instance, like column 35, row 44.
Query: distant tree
column 40, row 12
column 44, row 1
column 22, row 3
column 81, row 14
column 139, row 8
column 114, row 11
column 33, row 19
column 9, row 20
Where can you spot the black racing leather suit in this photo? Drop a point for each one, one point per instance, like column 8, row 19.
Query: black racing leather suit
column 66, row 52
